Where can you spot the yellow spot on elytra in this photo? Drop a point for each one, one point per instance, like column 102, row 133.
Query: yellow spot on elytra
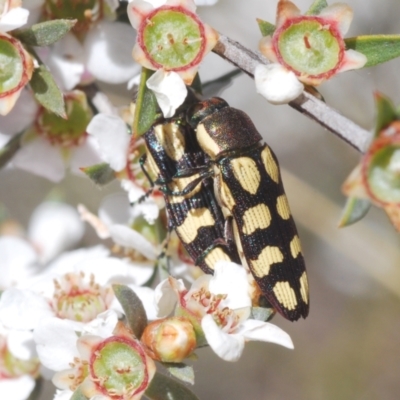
column 268, row 256
column 216, row 254
column 246, row 172
column 285, row 295
column 208, row 144
column 226, row 197
column 295, row 247
column 171, row 139
column 195, row 219
column 180, row 184
column 282, row 206
column 151, row 166
column 257, row 217
column 304, row 287
column 270, row 165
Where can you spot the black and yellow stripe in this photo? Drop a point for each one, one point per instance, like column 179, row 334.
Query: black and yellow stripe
column 250, row 192
column 171, row 148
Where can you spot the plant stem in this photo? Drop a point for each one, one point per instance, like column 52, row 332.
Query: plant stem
column 306, row 103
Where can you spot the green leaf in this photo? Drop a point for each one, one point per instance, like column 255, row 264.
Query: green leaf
column 164, row 388
column 377, row 48
column 7, row 152
column 181, row 371
column 100, row 174
column 266, row 28
column 78, row 395
column 354, row 210
column 146, row 111
column 316, row 7
column 133, row 308
column 45, row 33
column 385, row 112
column 47, row 92
column 262, row 313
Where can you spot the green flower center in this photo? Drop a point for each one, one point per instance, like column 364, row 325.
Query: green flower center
column 79, row 300
column 13, row 367
column 172, row 37
column 384, row 174
column 85, row 12
column 68, row 132
column 11, row 65
column 309, row 46
column 118, row 366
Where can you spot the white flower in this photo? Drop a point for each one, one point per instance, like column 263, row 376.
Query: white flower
column 222, row 305
column 277, row 84
column 53, row 228
column 173, row 70
column 111, row 133
column 81, row 360
column 114, row 220
column 19, row 365
column 12, row 16
column 43, row 153
column 75, row 288
column 169, row 89
column 117, row 149
column 308, row 57
column 56, row 339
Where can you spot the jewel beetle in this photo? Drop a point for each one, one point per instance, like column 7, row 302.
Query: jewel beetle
column 249, row 189
column 196, row 217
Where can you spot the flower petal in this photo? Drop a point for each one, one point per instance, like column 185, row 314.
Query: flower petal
column 205, row 2
column 352, row 60
column 169, row 89
column 8, row 102
column 85, row 155
column 103, row 325
column 341, row 13
column 148, row 208
column 264, row 331
column 115, row 209
column 112, row 135
column 13, row 19
column 354, row 185
column 228, row 347
column 66, row 61
column 63, row 394
column 21, row 116
column 127, row 237
column 53, row 228
column 94, row 221
column 56, row 343
column 17, row 388
column 285, row 9
column 21, row 344
column 18, row 261
column 231, row 279
column 108, row 46
column 267, row 49
column 138, row 9
column 41, row 158
column 277, row 84
column 166, row 295
column 23, row 309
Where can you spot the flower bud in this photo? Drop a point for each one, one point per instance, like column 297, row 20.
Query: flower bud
column 170, row 339
column 68, row 132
